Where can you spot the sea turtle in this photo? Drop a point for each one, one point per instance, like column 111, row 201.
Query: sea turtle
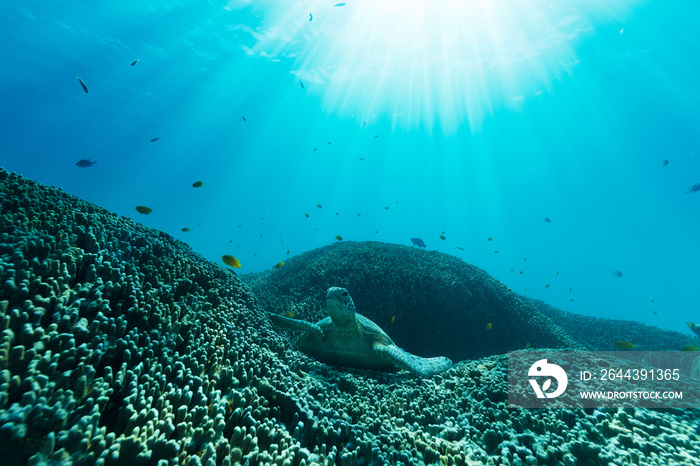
column 346, row 338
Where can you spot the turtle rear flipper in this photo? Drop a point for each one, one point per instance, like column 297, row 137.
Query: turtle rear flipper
column 425, row 367
column 295, row 324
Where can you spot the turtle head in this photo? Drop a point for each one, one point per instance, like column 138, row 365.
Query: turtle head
column 340, row 306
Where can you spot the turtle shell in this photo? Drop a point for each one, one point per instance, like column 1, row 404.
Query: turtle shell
column 348, row 345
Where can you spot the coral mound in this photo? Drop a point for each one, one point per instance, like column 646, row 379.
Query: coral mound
column 120, row 346
column 429, row 303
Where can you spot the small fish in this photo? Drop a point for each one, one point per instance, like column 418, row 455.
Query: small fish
column 82, row 84
column 319, row 206
column 521, row 272
column 315, row 149
column 548, row 220
column 197, row 184
column 393, row 319
column 331, row 142
column 495, row 252
column 306, row 215
column 289, row 314
column 85, row 163
column 570, row 290
column 461, row 249
column 232, row 261
column 376, row 137
column 442, row 236
column 625, row 345
column 302, row 84
column 557, row 273
column 691, row 325
column 244, row 118
column 185, row 229
column 386, row 208
column 664, row 163
column 142, row 209
column 359, row 215
column 571, row 299
column 525, row 260
column 337, row 213
column 489, row 326
column 693, row 189
column 690, row 348
column 154, row 139
column 655, row 313
column 617, row 273
column 311, row 17
column 287, row 252
column 279, row 265
column 418, row 242
column 339, row 4
column 548, row 285
column 527, row 345
column 489, row 239
column 338, row 237
column 134, row 62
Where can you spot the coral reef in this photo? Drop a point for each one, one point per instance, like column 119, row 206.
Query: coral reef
column 599, row 334
column 120, row 346
column 428, row 302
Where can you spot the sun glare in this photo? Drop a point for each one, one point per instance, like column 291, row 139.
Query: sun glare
column 426, row 63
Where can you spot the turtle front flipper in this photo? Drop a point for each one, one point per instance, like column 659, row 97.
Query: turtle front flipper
column 294, row 324
column 425, row 367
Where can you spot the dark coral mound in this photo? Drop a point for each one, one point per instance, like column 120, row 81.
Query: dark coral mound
column 120, row 346
column 440, row 305
column 599, row 334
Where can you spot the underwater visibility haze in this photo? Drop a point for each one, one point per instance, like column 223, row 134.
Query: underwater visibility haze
column 552, row 143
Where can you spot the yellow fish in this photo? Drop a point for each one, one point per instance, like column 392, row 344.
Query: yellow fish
column 142, row 209
column 289, row 314
column 197, row 184
column 626, row 345
column 319, row 206
column 690, row 348
column 393, row 319
column 527, row 345
column 279, row 265
column 490, row 239
column 232, row 261
column 185, row 229
column 489, row 326
column 339, row 238
column 306, row 215
column 691, row 325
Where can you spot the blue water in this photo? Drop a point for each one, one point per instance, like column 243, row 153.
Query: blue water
column 473, row 118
